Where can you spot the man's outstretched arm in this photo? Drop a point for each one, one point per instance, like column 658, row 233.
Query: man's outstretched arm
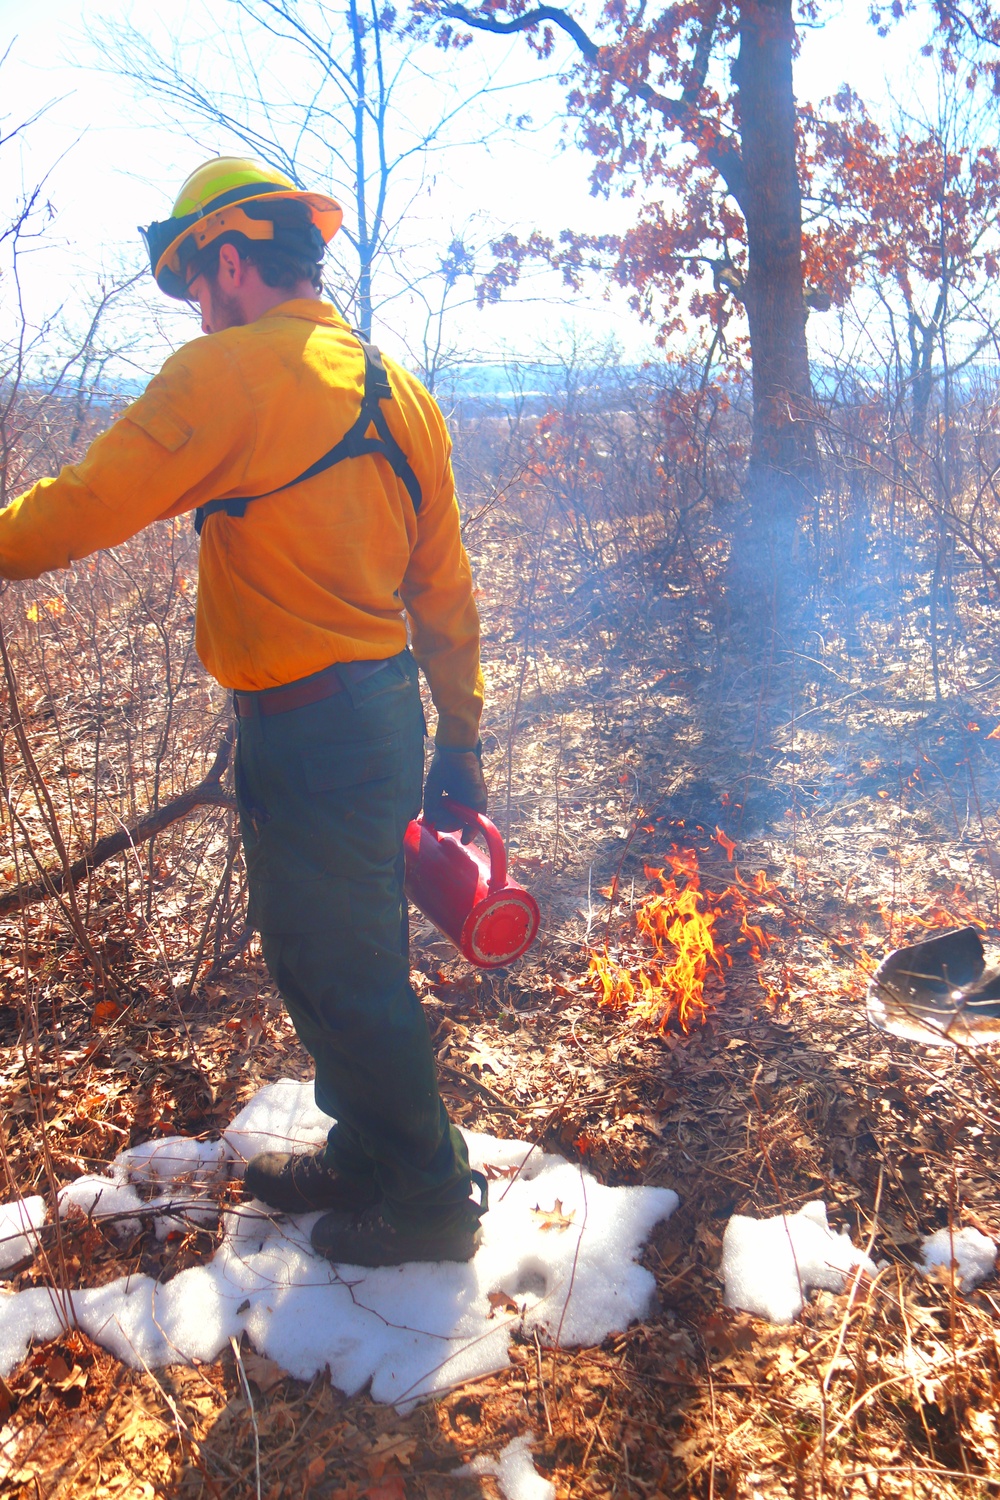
column 160, row 458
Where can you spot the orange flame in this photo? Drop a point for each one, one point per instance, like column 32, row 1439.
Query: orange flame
column 941, row 912
column 668, row 978
column 728, row 844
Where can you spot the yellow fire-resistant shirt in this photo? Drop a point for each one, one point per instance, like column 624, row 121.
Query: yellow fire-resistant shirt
column 315, row 575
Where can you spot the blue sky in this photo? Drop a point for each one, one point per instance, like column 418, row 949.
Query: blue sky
column 111, row 166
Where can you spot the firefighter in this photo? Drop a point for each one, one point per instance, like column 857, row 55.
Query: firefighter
column 322, row 485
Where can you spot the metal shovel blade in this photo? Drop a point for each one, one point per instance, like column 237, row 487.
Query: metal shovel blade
column 938, row 992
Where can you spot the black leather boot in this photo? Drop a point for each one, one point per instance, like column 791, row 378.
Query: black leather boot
column 369, row 1239
column 300, row 1183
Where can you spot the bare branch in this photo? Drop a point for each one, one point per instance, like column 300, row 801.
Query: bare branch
column 208, row 793
column 526, row 22
column 721, row 151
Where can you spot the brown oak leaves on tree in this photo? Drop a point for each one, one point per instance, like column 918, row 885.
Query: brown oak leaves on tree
column 693, row 102
column 910, row 211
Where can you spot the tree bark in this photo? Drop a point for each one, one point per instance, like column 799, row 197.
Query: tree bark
column 764, row 576
column 784, row 445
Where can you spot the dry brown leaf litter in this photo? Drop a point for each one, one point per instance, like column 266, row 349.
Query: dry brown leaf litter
column 874, row 815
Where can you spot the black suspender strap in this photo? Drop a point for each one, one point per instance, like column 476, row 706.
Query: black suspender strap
column 354, row 444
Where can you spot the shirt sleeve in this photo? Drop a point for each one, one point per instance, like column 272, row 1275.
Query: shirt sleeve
column 438, row 596
column 160, row 458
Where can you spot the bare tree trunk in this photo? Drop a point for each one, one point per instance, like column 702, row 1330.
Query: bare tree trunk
column 922, row 382
column 360, row 107
column 783, row 436
column 764, row 581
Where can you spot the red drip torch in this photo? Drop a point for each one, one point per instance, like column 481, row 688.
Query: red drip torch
column 466, row 893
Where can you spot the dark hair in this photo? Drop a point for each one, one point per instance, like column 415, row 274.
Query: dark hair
column 295, row 254
column 278, row 266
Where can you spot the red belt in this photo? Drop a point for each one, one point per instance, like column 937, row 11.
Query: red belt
column 309, row 690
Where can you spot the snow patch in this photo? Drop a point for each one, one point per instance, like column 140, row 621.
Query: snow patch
column 100, row 1198
column 514, row 1472
column 281, row 1116
column 175, row 1159
column 557, row 1245
column 34, row 1314
column 974, row 1255
column 770, row 1264
column 25, row 1214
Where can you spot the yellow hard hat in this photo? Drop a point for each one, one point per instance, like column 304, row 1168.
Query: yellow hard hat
column 234, row 194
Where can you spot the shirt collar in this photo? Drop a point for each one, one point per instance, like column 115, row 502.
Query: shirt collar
column 311, row 310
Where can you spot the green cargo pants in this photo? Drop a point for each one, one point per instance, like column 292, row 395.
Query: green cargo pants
column 325, row 793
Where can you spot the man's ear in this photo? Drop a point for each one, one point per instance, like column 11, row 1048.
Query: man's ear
column 231, row 268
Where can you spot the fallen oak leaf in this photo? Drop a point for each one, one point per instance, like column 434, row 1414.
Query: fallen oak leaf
column 56, row 1369
column 61, row 1377
column 484, row 1057
column 265, row 1373
column 313, row 1473
column 392, row 1488
column 554, row 1218
column 389, row 1448
column 31, row 1383
column 398, row 1446
column 493, row 1174
column 501, row 1302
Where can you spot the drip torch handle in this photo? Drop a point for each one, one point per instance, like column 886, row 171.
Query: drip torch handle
column 491, row 837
